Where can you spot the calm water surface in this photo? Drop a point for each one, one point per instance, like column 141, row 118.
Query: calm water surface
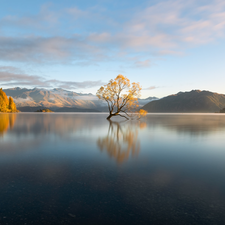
column 81, row 169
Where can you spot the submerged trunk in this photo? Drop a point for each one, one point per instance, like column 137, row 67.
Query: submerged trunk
column 116, row 114
column 111, row 114
column 109, row 117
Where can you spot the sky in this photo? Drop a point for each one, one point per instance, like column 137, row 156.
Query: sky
column 167, row 46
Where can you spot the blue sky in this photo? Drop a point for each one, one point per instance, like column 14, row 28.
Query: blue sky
column 168, row 46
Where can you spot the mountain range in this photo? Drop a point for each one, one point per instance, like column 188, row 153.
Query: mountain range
column 59, row 100
column 193, row 101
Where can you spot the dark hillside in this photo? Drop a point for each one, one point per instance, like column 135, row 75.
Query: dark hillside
column 193, row 101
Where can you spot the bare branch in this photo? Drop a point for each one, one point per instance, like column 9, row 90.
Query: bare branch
column 125, row 113
column 123, row 116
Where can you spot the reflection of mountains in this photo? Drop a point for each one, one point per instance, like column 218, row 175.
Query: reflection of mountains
column 64, row 124
column 121, row 141
column 192, row 123
column 60, row 124
column 6, row 120
column 39, row 129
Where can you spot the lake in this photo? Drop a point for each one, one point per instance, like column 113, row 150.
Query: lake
column 73, row 168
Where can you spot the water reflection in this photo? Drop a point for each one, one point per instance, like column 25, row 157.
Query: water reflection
column 121, row 142
column 52, row 169
column 65, row 124
column 60, row 124
column 192, row 124
column 7, row 120
column 32, row 130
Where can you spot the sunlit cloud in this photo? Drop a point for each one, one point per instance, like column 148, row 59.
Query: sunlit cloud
column 164, row 28
column 8, row 77
column 42, row 20
column 23, row 100
column 46, row 50
column 144, row 63
column 12, row 75
column 150, row 88
column 87, row 98
column 75, row 85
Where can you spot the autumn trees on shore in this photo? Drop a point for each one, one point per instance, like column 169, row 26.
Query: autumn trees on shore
column 6, row 104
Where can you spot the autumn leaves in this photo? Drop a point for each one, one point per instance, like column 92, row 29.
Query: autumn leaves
column 6, row 105
column 122, row 98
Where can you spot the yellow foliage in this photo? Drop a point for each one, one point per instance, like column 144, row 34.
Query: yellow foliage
column 121, row 96
column 142, row 112
column 6, row 105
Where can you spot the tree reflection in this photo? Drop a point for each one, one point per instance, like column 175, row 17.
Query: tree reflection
column 121, row 141
column 6, row 121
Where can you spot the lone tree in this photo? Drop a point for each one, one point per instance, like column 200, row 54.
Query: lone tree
column 122, row 98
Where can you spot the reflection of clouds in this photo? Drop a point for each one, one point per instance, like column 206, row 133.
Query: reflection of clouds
column 121, row 141
column 6, row 120
column 193, row 124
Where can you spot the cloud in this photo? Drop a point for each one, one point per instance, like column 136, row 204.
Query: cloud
column 150, row 88
column 13, row 75
column 77, row 13
column 169, row 24
column 9, row 77
column 44, row 19
column 96, row 35
column 87, row 98
column 168, row 27
column 76, row 85
column 145, row 63
column 35, row 49
column 84, row 97
column 10, row 69
column 41, row 49
column 22, row 100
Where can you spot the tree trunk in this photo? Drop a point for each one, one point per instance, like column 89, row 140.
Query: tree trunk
column 109, row 117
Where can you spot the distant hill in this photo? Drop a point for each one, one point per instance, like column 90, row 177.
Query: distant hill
column 193, row 101
column 144, row 101
column 222, row 110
